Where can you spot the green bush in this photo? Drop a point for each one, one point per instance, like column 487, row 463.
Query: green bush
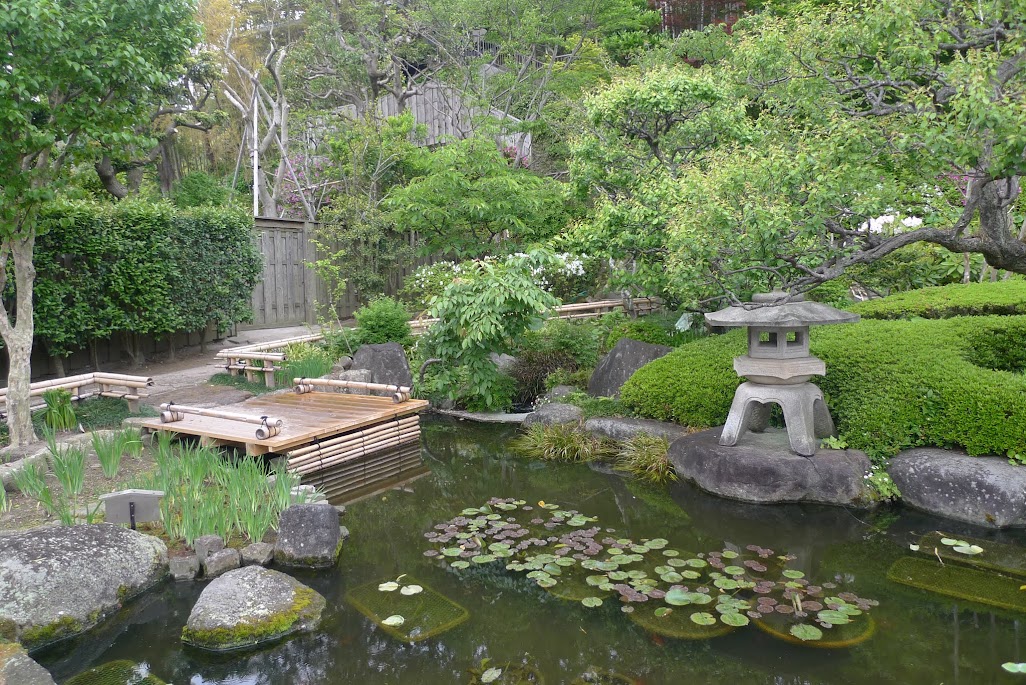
column 303, row 360
column 383, row 320
column 653, row 329
column 140, row 268
column 943, row 302
column 531, row 369
column 199, row 189
column 890, row 385
column 579, row 340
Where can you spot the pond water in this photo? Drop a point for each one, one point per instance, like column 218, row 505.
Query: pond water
column 920, row 637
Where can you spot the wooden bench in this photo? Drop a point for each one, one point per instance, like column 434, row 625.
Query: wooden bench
column 261, row 358
column 82, row 386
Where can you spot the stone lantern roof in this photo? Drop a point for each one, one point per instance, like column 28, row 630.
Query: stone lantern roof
column 794, row 314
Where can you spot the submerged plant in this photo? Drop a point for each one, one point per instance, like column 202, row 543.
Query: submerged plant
column 664, row 589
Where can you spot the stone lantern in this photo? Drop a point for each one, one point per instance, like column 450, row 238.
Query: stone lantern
column 778, row 367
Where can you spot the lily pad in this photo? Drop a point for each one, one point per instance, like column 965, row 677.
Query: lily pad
column 677, row 597
column 390, row 586
column 806, row 632
column 393, row 620
column 591, row 601
column 734, row 619
column 411, row 590
column 703, row 618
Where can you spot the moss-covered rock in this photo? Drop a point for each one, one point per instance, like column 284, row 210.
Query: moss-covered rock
column 251, row 606
column 56, row 582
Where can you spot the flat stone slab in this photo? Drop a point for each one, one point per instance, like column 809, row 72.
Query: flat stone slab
column 59, row 581
column 762, row 468
column 555, row 414
column 485, row 417
column 185, row 568
column 985, row 491
column 250, row 606
column 622, row 430
column 626, row 357
column 17, row 668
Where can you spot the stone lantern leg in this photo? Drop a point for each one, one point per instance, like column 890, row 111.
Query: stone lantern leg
column 778, row 367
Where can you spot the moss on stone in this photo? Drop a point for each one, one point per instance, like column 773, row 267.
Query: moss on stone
column 985, row 587
column 8, row 630
column 246, row 635
column 120, row 672
column 38, row 636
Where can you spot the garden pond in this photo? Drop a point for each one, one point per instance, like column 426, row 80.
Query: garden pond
column 504, row 619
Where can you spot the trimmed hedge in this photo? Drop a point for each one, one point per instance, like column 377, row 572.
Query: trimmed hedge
column 890, row 385
column 1006, row 298
column 140, row 268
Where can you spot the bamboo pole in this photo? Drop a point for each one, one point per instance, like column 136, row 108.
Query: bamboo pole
column 408, row 434
column 259, row 356
column 399, row 424
column 366, row 447
column 218, row 414
column 82, row 379
column 272, row 345
column 115, row 377
column 344, row 457
column 305, row 385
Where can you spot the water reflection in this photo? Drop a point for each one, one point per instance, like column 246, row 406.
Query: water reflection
column 921, row 638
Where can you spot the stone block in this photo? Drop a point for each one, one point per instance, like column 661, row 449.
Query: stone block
column 257, row 554
column 221, row 562
column 205, row 545
column 185, row 568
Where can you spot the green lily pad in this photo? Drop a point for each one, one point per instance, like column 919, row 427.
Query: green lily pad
column 806, row 632
column 662, row 612
column 677, row 597
column 452, row 551
column 460, row 564
column 703, row 618
column 591, row 602
column 793, row 574
column 735, row 619
column 833, row 617
column 734, row 571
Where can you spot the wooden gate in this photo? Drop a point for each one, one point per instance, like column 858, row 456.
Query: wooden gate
column 286, row 294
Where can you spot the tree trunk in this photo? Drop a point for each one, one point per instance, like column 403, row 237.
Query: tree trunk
column 18, row 340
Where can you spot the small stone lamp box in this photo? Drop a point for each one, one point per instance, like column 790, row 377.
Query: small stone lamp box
column 132, row 506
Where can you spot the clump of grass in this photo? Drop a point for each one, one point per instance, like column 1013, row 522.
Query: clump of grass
column 562, row 443
column 31, row 481
column 240, row 382
column 107, row 412
column 5, row 503
column 205, row 493
column 111, row 449
column 594, row 407
column 645, row 457
column 59, row 414
column 303, row 360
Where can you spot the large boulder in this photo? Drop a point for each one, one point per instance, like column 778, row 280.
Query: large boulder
column 59, row 581
column 387, row 362
column 308, row 536
column 985, row 491
column 626, row 357
column 251, row 606
column 16, row 668
column 554, row 414
column 621, row 429
column 762, row 468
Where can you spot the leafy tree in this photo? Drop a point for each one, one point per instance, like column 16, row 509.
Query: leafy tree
column 473, row 200
column 864, row 129
column 485, row 310
column 78, row 76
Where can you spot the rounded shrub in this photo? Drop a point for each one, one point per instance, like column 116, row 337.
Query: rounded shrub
column 890, row 385
column 946, row 301
column 383, row 320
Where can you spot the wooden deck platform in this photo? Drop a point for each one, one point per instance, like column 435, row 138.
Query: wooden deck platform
column 307, row 418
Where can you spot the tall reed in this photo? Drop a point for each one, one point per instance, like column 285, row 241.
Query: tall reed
column 109, row 450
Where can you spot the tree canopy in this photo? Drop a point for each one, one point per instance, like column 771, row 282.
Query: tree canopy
column 807, row 143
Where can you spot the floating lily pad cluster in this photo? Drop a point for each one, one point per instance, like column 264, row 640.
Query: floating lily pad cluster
column 569, row 555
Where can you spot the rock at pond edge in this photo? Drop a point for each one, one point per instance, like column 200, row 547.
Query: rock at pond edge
column 251, row 606
column 626, row 357
column 17, row 668
column 308, row 536
column 761, row 468
column 555, row 414
column 59, row 581
column 985, row 491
